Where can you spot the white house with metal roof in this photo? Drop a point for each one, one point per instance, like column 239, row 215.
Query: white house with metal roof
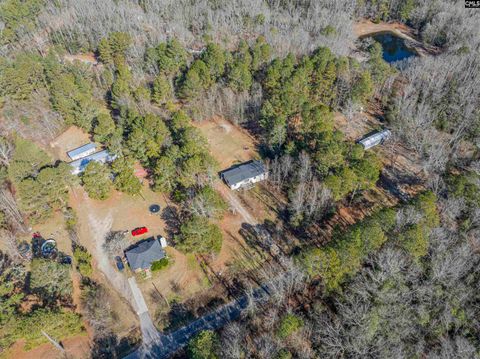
column 375, row 139
column 79, row 165
column 82, row 151
column 244, row 174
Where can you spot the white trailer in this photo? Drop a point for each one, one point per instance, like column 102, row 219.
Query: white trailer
column 375, row 139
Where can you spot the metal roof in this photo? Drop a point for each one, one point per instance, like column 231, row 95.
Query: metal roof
column 243, row 172
column 144, row 254
column 81, row 149
column 101, row 156
column 375, row 138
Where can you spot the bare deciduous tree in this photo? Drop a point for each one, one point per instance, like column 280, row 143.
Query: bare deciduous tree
column 6, row 151
column 115, row 243
column 9, row 206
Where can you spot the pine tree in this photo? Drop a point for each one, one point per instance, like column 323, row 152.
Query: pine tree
column 96, row 180
column 125, row 180
column 164, row 175
column 215, row 59
column 104, row 127
column 261, row 53
column 198, row 235
column 162, row 90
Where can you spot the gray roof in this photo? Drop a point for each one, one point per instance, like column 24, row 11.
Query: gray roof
column 142, row 255
column 81, row 149
column 242, row 172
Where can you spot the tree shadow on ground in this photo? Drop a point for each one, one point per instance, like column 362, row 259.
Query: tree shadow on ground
column 172, row 219
column 178, row 316
column 110, row 346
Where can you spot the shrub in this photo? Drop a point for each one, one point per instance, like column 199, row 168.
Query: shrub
column 289, row 324
column 203, row 345
column 83, row 260
column 284, row 354
column 160, row 264
column 70, row 218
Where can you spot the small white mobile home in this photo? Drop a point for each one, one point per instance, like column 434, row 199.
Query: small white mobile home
column 244, row 174
column 375, row 139
column 82, row 151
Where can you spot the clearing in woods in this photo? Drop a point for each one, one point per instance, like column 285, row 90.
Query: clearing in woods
column 184, row 278
column 401, row 176
column 367, row 27
column 70, row 139
column 229, row 144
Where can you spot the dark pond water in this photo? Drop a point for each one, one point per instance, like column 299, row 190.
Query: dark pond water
column 394, row 48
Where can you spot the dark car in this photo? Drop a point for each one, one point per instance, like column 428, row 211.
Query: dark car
column 119, row 263
column 66, row 260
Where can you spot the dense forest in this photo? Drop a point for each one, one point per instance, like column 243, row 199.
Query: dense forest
column 401, row 282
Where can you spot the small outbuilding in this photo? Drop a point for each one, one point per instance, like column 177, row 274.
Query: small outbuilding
column 141, row 256
column 375, row 139
column 82, row 151
column 163, row 241
column 79, row 165
column 244, row 174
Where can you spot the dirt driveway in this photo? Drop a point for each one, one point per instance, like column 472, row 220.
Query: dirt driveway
column 235, row 204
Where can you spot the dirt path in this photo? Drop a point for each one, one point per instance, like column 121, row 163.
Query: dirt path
column 128, row 288
column 98, row 230
column 235, row 204
column 367, row 27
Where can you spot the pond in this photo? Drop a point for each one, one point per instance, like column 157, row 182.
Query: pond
column 394, row 48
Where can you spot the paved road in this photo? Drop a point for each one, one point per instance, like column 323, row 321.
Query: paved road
column 167, row 344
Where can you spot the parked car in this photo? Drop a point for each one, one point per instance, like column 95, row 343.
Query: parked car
column 119, row 263
column 66, row 260
column 139, row 231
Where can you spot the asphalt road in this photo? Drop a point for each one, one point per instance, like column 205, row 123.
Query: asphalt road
column 167, row 344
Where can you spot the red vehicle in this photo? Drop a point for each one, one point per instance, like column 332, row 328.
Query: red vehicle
column 139, row 231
